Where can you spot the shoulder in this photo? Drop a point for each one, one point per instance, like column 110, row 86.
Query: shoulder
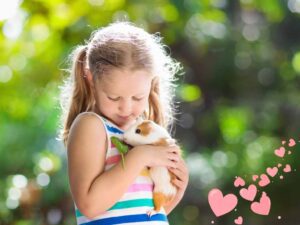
column 87, row 128
column 88, row 119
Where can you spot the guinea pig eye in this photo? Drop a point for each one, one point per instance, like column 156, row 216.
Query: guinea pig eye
column 137, row 131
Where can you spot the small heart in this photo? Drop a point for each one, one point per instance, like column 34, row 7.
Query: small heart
column 239, row 182
column 263, row 206
column 254, row 177
column 279, row 165
column 250, row 193
column 292, row 142
column 283, row 142
column 289, row 152
column 287, row 168
column 281, row 177
column 239, row 220
column 280, row 152
column 221, row 205
column 264, row 180
column 272, row 171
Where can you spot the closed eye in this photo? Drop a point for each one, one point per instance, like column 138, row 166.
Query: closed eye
column 137, row 99
column 113, row 99
column 118, row 98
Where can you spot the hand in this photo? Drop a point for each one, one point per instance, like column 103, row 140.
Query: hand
column 157, row 155
column 182, row 178
column 181, row 182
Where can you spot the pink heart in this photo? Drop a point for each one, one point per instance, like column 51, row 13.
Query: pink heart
column 272, row 171
column 239, row 182
column 250, row 193
column 287, row 168
column 221, row 205
column 263, row 206
column 280, row 152
column 254, row 177
column 264, row 180
column 292, row 142
column 239, row 220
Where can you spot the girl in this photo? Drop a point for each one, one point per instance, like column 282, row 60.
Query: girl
column 122, row 73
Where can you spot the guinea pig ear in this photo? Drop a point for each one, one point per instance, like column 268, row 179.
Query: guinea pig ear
column 140, row 119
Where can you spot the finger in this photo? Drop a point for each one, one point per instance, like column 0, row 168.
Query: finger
column 178, row 183
column 171, row 142
column 181, row 166
column 174, row 149
column 179, row 174
column 173, row 157
column 171, row 164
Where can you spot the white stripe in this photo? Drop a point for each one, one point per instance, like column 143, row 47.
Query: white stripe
column 136, row 195
column 138, row 180
column 82, row 219
column 112, row 152
column 143, row 180
column 107, row 167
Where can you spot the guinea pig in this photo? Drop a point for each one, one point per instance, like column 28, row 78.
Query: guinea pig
column 146, row 132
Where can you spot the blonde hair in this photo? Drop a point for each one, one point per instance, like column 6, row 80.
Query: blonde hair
column 120, row 45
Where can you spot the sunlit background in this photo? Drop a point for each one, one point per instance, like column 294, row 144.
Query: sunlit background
column 239, row 98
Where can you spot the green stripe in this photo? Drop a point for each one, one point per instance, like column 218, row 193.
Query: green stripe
column 133, row 203
column 127, row 204
column 78, row 213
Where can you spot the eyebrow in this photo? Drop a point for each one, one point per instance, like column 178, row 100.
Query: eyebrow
column 137, row 94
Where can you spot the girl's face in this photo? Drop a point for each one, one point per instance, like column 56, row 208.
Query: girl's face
column 122, row 95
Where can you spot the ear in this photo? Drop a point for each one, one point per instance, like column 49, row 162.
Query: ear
column 89, row 77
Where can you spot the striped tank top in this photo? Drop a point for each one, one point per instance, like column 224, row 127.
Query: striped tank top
column 133, row 206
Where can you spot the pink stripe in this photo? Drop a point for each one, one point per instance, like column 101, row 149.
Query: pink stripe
column 113, row 159
column 140, row 187
column 112, row 145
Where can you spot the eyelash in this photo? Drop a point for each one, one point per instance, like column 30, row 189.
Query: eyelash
column 113, row 99
column 116, row 99
column 138, row 99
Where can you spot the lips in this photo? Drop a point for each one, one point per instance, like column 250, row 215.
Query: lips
column 124, row 117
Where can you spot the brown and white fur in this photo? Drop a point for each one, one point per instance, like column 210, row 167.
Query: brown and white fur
column 146, row 132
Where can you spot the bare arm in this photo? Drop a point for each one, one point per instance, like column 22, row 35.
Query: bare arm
column 86, row 159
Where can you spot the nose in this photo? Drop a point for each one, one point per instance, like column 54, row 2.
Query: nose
column 125, row 107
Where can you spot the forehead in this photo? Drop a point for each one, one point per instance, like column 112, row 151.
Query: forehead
column 122, row 82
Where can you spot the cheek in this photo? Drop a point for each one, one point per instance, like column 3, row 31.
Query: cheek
column 105, row 104
column 141, row 106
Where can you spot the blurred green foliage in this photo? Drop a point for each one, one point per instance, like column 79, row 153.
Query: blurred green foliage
column 239, row 98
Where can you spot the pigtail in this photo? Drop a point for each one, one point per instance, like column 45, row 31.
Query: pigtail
column 155, row 108
column 81, row 99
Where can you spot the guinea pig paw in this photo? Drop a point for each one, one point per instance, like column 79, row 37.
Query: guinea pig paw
column 151, row 213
